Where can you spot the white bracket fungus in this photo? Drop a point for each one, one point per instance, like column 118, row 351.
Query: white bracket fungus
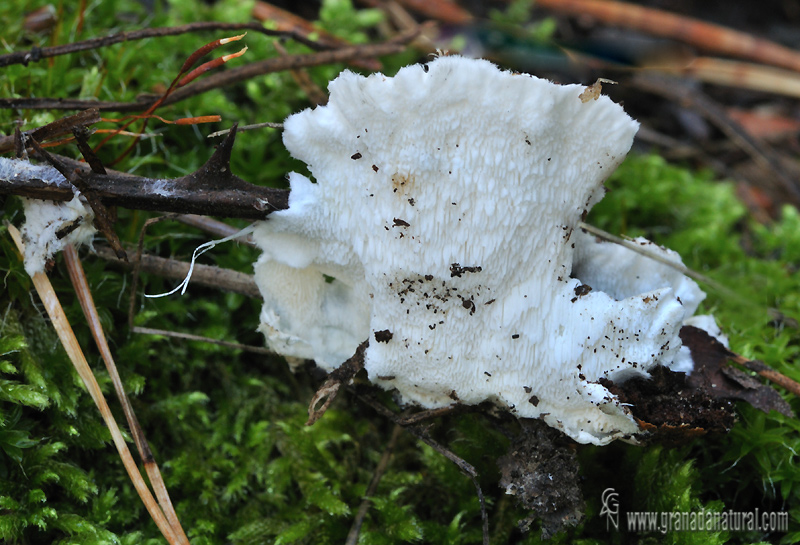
column 442, row 228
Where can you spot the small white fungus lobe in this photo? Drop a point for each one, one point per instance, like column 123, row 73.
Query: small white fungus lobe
column 49, row 226
column 442, row 228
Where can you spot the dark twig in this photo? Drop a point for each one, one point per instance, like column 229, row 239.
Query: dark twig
column 38, row 53
column 214, row 227
column 137, row 266
column 104, row 219
column 189, row 337
column 212, row 190
column 57, row 128
column 355, row 529
column 82, row 140
column 423, row 436
column 416, row 418
column 265, row 125
column 202, row 275
column 222, row 79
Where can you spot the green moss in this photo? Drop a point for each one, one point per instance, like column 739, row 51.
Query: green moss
column 228, row 427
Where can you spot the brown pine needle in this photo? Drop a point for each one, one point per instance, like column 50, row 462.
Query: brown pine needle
column 79, row 282
column 61, row 324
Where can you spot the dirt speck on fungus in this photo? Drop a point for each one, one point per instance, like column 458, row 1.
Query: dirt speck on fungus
column 383, row 336
column 541, row 470
column 457, row 270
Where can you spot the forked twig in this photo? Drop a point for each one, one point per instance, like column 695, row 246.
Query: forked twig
column 81, row 285
column 340, row 376
column 67, row 337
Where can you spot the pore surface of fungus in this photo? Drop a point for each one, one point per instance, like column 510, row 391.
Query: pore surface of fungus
column 441, row 227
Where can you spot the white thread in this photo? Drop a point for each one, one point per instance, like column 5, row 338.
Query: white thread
column 200, row 250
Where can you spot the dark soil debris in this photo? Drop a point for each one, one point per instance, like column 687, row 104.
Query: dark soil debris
column 458, row 270
column 541, row 470
column 670, row 409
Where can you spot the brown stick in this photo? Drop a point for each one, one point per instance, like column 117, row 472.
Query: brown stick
column 340, row 376
column 760, row 152
column 189, row 337
column 38, row 53
column 214, row 227
column 203, row 275
column 768, row 373
column 57, row 128
column 287, row 21
column 694, row 32
column 221, row 79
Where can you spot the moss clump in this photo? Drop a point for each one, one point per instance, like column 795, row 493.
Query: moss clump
column 227, row 427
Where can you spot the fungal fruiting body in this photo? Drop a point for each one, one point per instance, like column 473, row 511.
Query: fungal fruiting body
column 49, row 226
column 441, row 227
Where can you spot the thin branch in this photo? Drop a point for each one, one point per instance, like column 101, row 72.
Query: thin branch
column 768, row 373
column 695, row 32
column 759, row 151
column 355, row 529
column 266, row 124
column 137, row 266
column 222, row 79
column 214, row 227
column 342, row 375
column 416, row 418
column 203, row 275
column 38, row 53
column 189, row 337
column 683, row 269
